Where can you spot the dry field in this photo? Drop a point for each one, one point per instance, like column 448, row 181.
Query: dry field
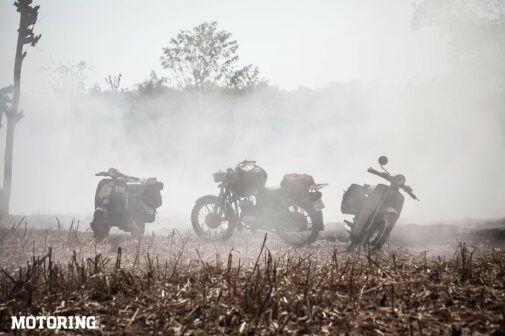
column 254, row 284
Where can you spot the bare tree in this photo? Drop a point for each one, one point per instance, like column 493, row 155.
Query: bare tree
column 28, row 18
column 68, row 78
column 113, row 81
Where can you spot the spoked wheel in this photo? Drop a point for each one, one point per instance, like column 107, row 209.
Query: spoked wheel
column 210, row 221
column 298, row 225
column 100, row 226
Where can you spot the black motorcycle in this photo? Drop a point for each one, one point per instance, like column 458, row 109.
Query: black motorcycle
column 376, row 209
column 292, row 211
column 126, row 202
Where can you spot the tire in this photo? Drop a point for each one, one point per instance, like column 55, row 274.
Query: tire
column 216, row 220
column 299, row 212
column 100, row 225
column 376, row 236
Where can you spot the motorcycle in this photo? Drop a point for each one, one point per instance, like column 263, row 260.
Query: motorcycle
column 376, row 209
column 126, row 202
column 293, row 211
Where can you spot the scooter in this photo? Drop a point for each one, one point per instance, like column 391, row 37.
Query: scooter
column 126, row 202
column 376, row 209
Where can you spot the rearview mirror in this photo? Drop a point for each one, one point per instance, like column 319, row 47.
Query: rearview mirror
column 383, row 160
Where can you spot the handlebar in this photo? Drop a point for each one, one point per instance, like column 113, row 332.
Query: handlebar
column 119, row 175
column 390, row 179
column 385, row 176
column 408, row 190
column 247, row 162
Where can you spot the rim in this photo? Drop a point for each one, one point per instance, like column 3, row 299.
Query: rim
column 295, row 224
column 212, row 221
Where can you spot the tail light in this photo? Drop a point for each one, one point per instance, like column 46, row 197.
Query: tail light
column 315, row 195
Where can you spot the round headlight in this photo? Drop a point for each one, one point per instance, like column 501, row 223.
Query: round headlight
column 399, row 180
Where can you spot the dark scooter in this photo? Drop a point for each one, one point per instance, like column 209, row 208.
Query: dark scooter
column 126, row 202
column 376, row 209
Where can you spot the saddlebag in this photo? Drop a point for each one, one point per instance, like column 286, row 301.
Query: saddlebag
column 248, row 179
column 293, row 185
column 354, row 198
column 152, row 193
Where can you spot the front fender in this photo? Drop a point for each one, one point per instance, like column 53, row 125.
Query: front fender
column 215, row 199
column 206, row 199
column 390, row 211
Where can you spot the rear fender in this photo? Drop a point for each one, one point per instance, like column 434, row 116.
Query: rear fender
column 100, row 212
column 315, row 195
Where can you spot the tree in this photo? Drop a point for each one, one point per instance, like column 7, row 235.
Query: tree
column 154, row 85
column 204, row 57
column 68, row 78
column 28, row 18
column 114, row 82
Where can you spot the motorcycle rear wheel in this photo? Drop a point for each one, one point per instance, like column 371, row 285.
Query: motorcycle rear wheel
column 100, row 226
column 209, row 220
column 299, row 225
column 138, row 229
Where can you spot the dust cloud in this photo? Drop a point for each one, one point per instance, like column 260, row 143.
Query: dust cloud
column 445, row 134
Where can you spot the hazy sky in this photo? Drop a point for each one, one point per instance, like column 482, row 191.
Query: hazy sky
column 397, row 109
column 295, row 43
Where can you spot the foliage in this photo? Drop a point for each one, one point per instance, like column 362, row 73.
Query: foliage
column 154, row 85
column 204, row 57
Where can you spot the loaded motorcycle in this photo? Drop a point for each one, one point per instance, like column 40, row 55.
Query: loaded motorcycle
column 126, row 202
column 376, row 209
column 292, row 211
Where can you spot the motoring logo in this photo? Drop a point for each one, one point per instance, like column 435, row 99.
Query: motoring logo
column 55, row 322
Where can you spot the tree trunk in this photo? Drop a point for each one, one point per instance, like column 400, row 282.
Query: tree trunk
column 7, row 184
column 13, row 116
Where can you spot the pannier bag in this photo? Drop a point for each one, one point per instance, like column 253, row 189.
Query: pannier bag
column 248, row 179
column 354, row 198
column 152, row 193
column 294, row 185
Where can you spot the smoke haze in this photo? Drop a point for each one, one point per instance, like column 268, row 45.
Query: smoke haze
column 443, row 130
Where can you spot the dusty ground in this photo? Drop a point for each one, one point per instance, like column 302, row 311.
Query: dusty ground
column 176, row 284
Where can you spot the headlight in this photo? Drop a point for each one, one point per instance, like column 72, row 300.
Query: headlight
column 219, row 176
column 399, row 180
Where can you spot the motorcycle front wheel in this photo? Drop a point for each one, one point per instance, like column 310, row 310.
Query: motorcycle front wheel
column 375, row 237
column 298, row 224
column 210, row 221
